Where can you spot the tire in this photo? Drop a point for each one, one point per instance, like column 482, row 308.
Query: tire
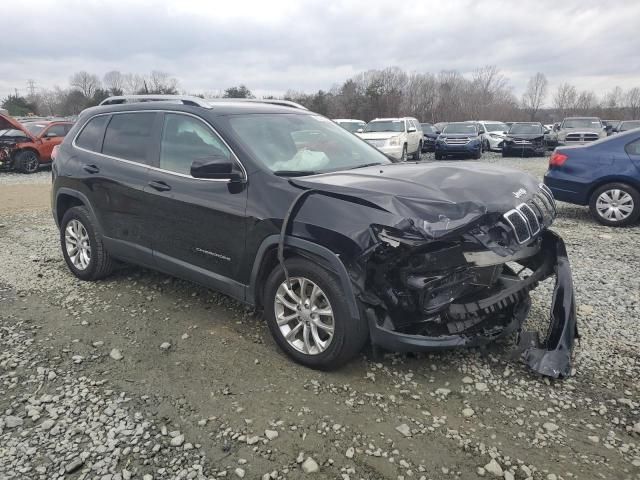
column 403, row 158
column 438, row 156
column 99, row 264
column 623, row 199
column 27, row 161
column 349, row 335
column 505, row 153
column 416, row 154
column 478, row 155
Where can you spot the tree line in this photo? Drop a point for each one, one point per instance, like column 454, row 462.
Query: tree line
column 449, row 95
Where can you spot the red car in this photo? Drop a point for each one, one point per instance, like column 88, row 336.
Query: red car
column 24, row 147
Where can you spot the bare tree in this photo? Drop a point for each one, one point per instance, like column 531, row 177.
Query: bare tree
column 114, row 82
column 161, row 83
column 586, row 101
column 86, row 83
column 632, row 103
column 133, row 83
column 535, row 94
column 565, row 99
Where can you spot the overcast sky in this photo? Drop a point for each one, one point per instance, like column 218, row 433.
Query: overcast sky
column 273, row 45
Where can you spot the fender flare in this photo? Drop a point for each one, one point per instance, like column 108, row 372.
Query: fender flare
column 80, row 196
column 302, row 246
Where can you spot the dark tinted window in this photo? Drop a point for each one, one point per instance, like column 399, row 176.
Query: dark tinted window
column 57, row 131
column 128, row 136
column 186, row 139
column 91, row 135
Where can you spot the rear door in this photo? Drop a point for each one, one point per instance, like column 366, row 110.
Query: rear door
column 198, row 224
column 115, row 172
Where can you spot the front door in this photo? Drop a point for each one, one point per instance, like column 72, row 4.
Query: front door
column 51, row 137
column 198, row 224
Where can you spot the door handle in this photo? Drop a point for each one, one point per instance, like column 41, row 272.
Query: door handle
column 159, row 186
column 91, row 169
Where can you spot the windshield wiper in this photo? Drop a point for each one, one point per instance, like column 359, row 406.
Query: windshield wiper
column 294, row 173
column 367, row 165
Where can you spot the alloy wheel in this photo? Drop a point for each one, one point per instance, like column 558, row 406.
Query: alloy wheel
column 76, row 240
column 614, row 205
column 304, row 315
column 31, row 163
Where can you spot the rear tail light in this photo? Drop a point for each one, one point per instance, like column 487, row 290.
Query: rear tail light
column 557, row 159
column 54, row 153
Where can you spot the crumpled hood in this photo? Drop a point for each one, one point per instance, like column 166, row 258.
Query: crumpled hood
column 7, row 123
column 438, row 197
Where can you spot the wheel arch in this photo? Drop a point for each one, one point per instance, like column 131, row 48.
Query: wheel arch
column 266, row 260
column 613, row 179
column 67, row 198
column 29, row 149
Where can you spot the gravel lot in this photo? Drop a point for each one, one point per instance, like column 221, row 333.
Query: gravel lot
column 149, row 377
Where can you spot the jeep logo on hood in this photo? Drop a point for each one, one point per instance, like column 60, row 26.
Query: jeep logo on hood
column 520, row 193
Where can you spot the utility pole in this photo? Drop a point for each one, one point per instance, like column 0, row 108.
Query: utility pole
column 31, row 86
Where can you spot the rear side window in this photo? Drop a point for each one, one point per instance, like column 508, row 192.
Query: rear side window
column 129, row 136
column 91, row 136
column 633, row 148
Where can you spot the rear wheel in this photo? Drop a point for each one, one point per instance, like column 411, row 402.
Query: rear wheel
column 416, row 154
column 309, row 317
column 82, row 247
column 27, row 161
column 615, row 204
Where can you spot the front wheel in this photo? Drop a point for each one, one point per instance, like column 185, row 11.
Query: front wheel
column 27, row 162
column 82, row 247
column 438, row 156
column 505, row 153
column 615, row 204
column 403, row 158
column 309, row 317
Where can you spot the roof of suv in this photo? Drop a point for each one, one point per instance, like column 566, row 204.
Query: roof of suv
column 219, row 106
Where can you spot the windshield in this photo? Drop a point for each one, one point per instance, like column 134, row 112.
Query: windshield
column 12, row 133
column 582, row 123
column 624, row 126
column 496, row 127
column 467, row 128
column 428, row 128
column 385, row 126
column 34, row 128
column 290, row 143
column 525, row 128
column 351, row 126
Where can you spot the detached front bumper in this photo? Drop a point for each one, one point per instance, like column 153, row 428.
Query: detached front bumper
column 502, row 313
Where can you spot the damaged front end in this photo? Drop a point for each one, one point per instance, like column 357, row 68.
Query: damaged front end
column 470, row 287
column 7, row 150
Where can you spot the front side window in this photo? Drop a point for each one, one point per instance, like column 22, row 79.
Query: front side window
column 290, row 144
column 128, row 136
column 186, row 139
column 57, row 131
column 34, row 128
column 91, row 136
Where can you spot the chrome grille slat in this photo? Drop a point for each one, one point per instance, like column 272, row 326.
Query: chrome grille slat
column 528, row 219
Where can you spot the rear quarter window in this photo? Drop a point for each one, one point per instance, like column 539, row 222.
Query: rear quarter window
column 633, row 148
column 91, row 136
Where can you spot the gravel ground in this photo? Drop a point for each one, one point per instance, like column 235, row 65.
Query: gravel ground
column 145, row 376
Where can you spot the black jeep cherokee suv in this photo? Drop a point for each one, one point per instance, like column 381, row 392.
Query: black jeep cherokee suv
column 281, row 208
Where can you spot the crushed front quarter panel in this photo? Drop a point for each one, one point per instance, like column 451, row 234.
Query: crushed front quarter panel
column 429, row 250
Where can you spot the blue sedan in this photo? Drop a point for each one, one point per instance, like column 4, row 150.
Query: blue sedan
column 604, row 175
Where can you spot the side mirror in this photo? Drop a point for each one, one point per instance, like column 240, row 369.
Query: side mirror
column 411, row 130
column 51, row 135
column 216, row 167
column 505, row 132
column 438, row 132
